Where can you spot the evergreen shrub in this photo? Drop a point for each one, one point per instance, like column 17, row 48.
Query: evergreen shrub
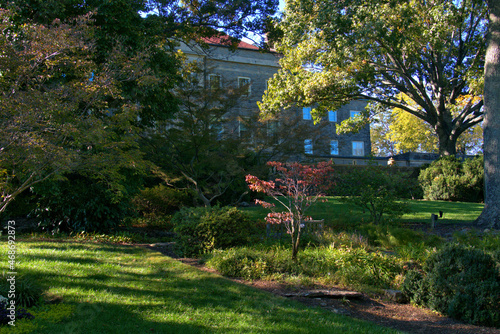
column 452, row 180
column 202, row 229
column 462, row 282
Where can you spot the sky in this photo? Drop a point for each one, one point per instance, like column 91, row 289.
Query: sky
column 282, row 5
column 280, row 8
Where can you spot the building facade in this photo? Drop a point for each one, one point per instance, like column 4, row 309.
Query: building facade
column 294, row 133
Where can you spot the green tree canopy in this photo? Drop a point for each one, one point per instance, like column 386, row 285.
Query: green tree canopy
column 153, row 27
column 81, row 78
column 55, row 108
column 431, row 51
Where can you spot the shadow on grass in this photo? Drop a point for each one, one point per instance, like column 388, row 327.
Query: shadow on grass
column 98, row 318
column 148, row 292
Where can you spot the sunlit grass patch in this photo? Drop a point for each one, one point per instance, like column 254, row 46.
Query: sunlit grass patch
column 124, row 289
column 345, row 215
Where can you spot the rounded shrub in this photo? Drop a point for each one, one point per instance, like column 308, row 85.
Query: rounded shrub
column 200, row 230
column 462, row 282
column 473, row 179
column 450, row 179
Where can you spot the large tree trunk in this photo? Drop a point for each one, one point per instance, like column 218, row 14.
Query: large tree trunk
column 490, row 217
column 447, row 143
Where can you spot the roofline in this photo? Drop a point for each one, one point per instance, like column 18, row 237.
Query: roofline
column 244, row 48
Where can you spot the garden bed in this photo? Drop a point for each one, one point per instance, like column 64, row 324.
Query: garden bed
column 373, row 308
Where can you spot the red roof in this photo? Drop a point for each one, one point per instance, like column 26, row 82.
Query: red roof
column 226, row 41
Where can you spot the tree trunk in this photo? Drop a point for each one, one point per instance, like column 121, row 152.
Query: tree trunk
column 295, row 246
column 490, row 217
column 204, row 199
column 295, row 234
column 447, row 143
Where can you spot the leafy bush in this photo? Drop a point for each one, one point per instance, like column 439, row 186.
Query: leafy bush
column 473, row 180
column 359, row 266
column 462, row 282
column 377, row 190
column 20, row 313
column 27, row 291
column 450, row 179
column 78, row 204
column 157, row 204
column 403, row 180
column 243, row 262
column 202, row 229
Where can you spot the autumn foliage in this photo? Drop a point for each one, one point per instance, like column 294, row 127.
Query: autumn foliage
column 296, row 187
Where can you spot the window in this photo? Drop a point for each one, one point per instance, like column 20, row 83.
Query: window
column 334, row 147
column 358, row 148
column 308, row 146
column 244, row 83
column 306, row 113
column 218, row 129
column 274, row 136
column 355, row 113
column 193, row 79
column 214, row 81
column 332, row 116
column 243, row 129
column 272, row 128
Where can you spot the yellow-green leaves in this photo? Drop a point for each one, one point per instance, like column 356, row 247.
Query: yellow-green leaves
column 432, row 51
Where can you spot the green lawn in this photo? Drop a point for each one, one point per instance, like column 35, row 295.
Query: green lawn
column 125, row 289
column 453, row 212
column 337, row 213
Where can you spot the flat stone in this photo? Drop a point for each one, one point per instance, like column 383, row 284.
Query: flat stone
column 395, row 295
column 335, row 294
column 162, row 244
column 340, row 311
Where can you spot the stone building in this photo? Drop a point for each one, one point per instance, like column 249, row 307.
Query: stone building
column 295, row 136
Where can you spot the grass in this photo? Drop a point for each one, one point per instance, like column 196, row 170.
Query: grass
column 453, row 212
column 124, row 289
column 344, row 215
